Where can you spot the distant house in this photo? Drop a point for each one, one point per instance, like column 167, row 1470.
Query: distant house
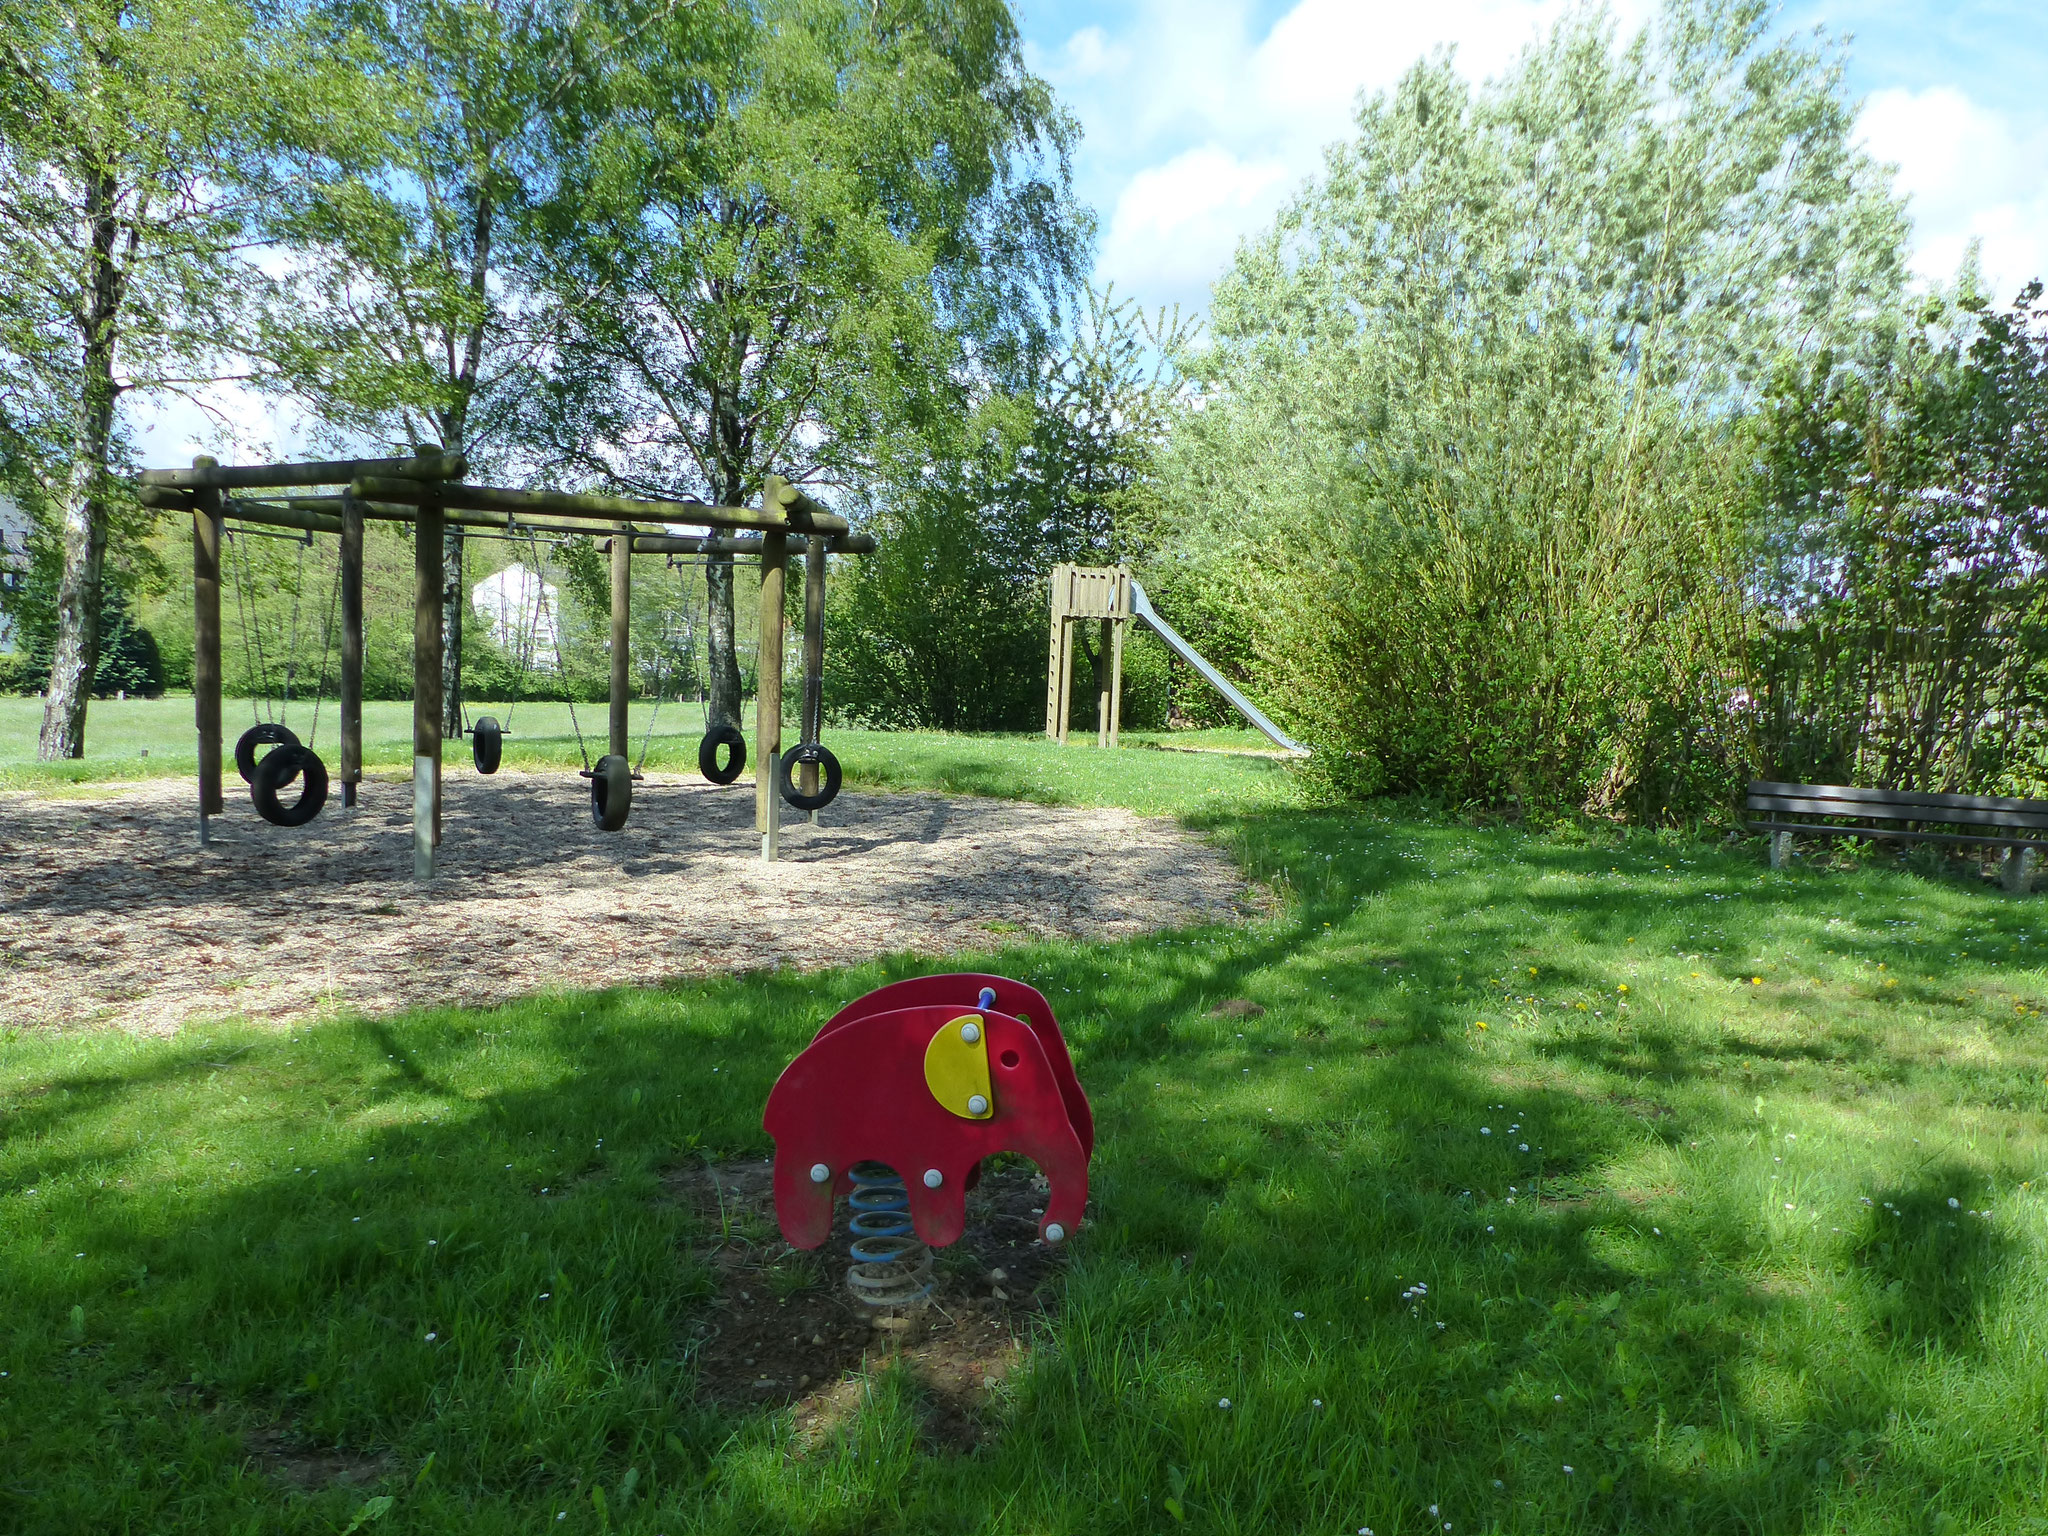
column 13, row 560
column 521, row 609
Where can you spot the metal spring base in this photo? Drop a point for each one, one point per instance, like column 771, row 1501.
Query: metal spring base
column 890, row 1268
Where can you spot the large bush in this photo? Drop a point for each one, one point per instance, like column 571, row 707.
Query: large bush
column 1470, row 479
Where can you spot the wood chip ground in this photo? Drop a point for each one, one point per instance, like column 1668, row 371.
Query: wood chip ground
column 112, row 916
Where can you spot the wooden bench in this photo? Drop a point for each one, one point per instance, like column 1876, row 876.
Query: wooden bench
column 1995, row 821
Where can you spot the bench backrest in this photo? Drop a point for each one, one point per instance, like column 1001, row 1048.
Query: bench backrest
column 1897, row 805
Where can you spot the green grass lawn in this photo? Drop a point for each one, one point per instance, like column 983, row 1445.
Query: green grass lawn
column 1568, row 1182
column 155, row 738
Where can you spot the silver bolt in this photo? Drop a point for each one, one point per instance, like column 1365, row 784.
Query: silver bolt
column 933, row 1178
column 1055, row 1233
column 820, row 1173
column 977, row 1105
column 970, row 1032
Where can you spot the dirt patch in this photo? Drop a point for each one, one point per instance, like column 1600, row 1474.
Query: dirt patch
column 782, row 1331
column 1237, row 1008
column 308, row 1468
column 112, row 915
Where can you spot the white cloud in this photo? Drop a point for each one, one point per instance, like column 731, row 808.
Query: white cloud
column 1970, row 173
column 1177, row 224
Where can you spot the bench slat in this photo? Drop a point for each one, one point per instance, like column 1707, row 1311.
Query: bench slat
column 1801, row 805
column 1851, row 792
column 1815, row 829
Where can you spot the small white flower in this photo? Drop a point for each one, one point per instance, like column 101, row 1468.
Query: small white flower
column 1299, row 1315
column 431, row 1337
column 1525, row 1146
column 1222, row 1402
column 1486, row 1130
column 1567, row 1471
column 1954, row 1204
column 1314, row 1402
column 1557, row 1397
column 1433, row 1509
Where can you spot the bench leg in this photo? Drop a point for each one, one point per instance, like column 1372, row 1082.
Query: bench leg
column 1781, row 849
column 2016, row 870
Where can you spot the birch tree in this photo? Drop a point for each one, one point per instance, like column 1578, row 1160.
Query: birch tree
column 135, row 149
column 782, row 235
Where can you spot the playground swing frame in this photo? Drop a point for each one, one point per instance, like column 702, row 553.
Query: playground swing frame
column 427, row 491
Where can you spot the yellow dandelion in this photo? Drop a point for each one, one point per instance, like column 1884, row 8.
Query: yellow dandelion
column 1756, row 981
column 1622, row 988
column 1479, row 1024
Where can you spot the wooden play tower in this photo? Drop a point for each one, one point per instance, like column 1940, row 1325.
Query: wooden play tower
column 1081, row 593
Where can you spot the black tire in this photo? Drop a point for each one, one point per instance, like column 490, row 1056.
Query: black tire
column 265, row 735
column 486, row 743
column 277, row 770
column 611, row 793
column 828, row 790
column 707, row 754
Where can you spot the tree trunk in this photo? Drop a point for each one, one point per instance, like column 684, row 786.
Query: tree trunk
column 76, row 658
column 721, row 651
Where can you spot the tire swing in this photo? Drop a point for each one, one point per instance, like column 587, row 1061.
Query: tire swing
column 809, row 751
column 793, row 761
column 486, row 743
column 707, row 754
column 264, row 733
column 276, row 772
column 288, row 759
column 611, row 792
column 487, row 733
column 611, row 781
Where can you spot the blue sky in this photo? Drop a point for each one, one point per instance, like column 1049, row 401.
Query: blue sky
column 1200, row 116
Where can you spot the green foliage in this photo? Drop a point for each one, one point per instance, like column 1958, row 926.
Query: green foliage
column 771, row 228
column 1904, row 636
column 129, row 659
column 938, row 630
column 945, row 626
column 408, row 318
column 1467, row 493
column 137, row 143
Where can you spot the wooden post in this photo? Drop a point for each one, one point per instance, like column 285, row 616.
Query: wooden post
column 622, row 639
column 1059, row 679
column 813, row 721
column 768, row 690
column 351, row 648
column 1104, row 672
column 426, row 690
column 1116, row 679
column 206, row 680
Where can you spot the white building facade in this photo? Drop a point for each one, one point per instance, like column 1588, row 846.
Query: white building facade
column 523, row 612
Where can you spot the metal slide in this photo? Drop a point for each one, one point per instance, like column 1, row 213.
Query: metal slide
column 1142, row 607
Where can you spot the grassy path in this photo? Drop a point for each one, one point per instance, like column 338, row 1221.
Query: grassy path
column 1564, row 1184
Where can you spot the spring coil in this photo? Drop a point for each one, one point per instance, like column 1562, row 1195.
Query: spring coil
column 890, row 1268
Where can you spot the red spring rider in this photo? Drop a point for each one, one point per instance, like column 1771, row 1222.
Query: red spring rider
column 895, row 1103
